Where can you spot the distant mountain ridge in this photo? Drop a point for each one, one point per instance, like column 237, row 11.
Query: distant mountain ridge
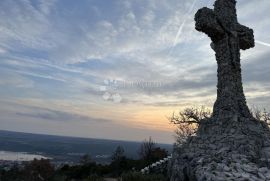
column 63, row 148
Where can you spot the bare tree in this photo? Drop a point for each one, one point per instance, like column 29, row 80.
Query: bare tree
column 118, row 163
column 191, row 115
column 183, row 131
column 118, row 154
column 146, row 149
column 187, row 122
column 262, row 115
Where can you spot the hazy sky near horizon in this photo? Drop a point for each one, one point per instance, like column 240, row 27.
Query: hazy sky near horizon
column 115, row 68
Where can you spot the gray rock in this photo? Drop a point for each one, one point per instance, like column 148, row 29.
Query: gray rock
column 266, row 152
column 249, row 168
column 231, row 145
column 262, row 176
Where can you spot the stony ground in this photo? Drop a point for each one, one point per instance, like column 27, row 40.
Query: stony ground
column 235, row 150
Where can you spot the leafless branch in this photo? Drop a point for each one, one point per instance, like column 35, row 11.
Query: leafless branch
column 190, row 116
column 262, row 115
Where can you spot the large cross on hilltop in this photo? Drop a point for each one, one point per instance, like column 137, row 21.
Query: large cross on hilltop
column 228, row 37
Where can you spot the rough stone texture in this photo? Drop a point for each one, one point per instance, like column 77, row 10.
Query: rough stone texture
column 233, row 149
column 231, row 145
column 228, row 37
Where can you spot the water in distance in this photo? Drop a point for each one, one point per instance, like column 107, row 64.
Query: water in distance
column 63, row 149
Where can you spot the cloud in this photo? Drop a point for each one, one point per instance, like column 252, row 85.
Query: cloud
column 46, row 6
column 28, row 26
column 26, row 118
column 183, row 24
column 13, row 80
column 263, row 43
column 53, row 115
column 59, row 53
column 2, row 51
column 40, row 76
column 256, row 69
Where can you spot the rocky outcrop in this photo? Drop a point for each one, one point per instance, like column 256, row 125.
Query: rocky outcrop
column 231, row 145
column 228, row 150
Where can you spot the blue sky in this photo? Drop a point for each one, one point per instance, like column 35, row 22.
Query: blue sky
column 59, row 60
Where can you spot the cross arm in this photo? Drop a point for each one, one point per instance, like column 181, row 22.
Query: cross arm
column 207, row 22
column 246, row 37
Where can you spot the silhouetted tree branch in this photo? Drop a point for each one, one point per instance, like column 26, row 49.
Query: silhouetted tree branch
column 190, row 116
column 187, row 121
column 262, row 115
column 146, row 149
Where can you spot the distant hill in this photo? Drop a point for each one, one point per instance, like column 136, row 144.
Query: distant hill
column 62, row 148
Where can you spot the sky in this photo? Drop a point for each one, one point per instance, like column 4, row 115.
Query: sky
column 116, row 69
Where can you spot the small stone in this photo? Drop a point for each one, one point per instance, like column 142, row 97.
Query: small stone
column 261, row 176
column 264, row 170
column 249, row 169
column 226, row 168
column 236, row 174
column 228, row 174
column 245, row 175
column 267, row 175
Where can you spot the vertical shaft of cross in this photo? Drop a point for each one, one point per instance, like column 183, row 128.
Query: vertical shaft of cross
column 230, row 95
column 228, row 37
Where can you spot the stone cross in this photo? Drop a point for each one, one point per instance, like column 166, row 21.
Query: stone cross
column 228, row 37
